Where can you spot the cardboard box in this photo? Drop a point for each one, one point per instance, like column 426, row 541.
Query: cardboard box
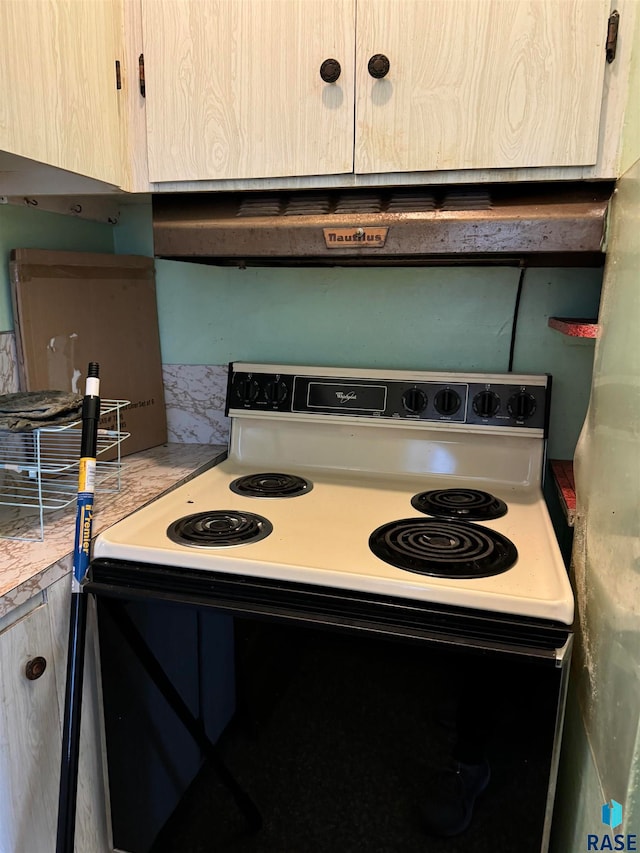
column 71, row 308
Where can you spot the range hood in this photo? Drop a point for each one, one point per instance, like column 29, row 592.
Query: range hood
column 542, row 225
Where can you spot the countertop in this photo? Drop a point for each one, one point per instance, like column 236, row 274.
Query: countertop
column 26, row 567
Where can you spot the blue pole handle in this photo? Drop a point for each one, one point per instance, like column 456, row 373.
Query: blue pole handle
column 86, row 477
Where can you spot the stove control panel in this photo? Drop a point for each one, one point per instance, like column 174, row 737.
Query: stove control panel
column 495, row 400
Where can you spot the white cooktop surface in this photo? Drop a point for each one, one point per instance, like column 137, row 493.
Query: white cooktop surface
column 322, row 538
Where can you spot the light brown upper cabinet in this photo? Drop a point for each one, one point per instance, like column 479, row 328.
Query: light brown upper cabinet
column 234, row 89
column 479, row 84
column 59, row 101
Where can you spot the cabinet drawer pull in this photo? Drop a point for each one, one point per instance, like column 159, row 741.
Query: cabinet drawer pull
column 330, row 70
column 35, row 668
column 378, row 66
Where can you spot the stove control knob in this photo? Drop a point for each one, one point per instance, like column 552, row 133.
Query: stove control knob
column 414, row 401
column 486, row 404
column 276, row 391
column 447, row 401
column 521, row 406
column 247, row 389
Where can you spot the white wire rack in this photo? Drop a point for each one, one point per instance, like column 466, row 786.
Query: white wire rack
column 39, row 470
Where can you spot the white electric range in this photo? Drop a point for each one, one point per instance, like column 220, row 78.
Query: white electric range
column 396, row 501
column 402, row 506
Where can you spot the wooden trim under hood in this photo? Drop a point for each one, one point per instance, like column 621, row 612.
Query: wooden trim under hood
column 545, row 225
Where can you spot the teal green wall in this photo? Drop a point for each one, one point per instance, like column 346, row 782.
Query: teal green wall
column 429, row 318
column 29, row 228
column 133, row 234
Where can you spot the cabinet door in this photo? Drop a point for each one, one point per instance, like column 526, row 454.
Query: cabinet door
column 233, row 88
column 477, row 84
column 30, row 742
column 57, row 75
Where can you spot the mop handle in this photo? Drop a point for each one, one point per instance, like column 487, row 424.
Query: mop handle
column 86, row 476
column 67, row 796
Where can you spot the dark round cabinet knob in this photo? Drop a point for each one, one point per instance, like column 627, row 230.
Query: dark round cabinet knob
column 415, row 401
column 330, row 70
column 378, row 66
column 35, row 668
column 276, row 391
column 521, row 406
column 486, row 404
column 447, row 401
column 247, row 389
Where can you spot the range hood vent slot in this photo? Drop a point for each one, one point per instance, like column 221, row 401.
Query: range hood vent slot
column 307, row 205
column 475, row 200
column 545, row 224
column 260, row 206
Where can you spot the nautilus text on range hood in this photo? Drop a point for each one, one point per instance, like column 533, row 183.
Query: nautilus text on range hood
column 537, row 224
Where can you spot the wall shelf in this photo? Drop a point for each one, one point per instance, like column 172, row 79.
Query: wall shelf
column 574, row 327
column 39, row 470
column 562, row 470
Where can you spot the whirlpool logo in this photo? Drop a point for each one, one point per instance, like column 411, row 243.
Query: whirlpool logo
column 611, row 815
column 346, row 398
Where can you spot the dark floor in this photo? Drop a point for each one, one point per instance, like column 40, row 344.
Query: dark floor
column 339, row 741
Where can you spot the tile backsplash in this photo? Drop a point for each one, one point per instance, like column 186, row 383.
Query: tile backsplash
column 195, row 399
column 8, row 363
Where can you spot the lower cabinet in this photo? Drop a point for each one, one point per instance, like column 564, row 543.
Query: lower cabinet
column 33, row 652
column 29, row 736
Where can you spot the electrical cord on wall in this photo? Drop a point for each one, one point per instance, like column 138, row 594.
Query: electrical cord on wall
column 516, row 310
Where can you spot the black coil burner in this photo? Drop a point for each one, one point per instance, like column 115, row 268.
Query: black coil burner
column 443, row 549
column 459, row 504
column 219, row 529
column 271, row 486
